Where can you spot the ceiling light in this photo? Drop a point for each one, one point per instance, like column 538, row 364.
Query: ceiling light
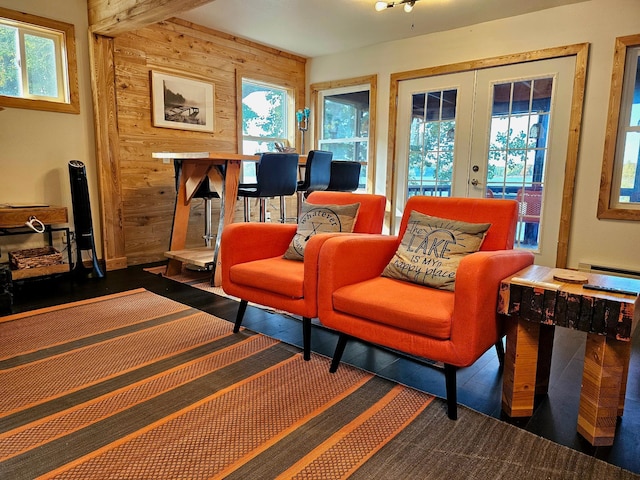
column 408, row 5
column 381, row 6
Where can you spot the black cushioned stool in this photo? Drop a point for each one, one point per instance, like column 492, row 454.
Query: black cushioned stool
column 276, row 176
column 345, row 176
column 317, row 173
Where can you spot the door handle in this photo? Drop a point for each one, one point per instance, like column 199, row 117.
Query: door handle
column 475, row 182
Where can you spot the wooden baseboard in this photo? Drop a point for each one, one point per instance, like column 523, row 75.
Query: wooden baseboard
column 114, row 263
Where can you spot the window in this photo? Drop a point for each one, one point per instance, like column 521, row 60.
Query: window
column 346, row 121
column 432, row 132
column 267, row 117
column 345, row 126
column 517, row 146
column 37, row 63
column 620, row 185
column 518, row 151
column 514, row 137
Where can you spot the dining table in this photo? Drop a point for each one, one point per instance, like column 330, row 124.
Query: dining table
column 223, row 171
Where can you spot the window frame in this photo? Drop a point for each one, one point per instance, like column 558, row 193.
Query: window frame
column 368, row 82
column 607, row 207
column 71, row 104
column 320, row 116
column 291, row 104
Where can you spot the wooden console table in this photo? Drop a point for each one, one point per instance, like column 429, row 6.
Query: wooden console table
column 12, row 222
column 536, row 303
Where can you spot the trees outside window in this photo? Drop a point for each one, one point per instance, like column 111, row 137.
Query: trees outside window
column 266, row 113
column 345, row 126
column 37, row 63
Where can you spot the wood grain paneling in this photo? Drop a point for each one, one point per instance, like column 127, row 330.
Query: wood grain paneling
column 146, row 186
column 114, row 17
column 107, row 151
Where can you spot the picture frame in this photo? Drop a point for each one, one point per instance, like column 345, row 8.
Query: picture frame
column 182, row 103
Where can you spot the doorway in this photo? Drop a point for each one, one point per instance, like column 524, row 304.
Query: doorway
column 500, row 132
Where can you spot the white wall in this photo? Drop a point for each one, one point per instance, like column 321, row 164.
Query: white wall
column 35, row 146
column 598, row 22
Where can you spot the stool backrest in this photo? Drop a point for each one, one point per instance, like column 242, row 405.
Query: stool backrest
column 317, row 171
column 277, row 174
column 345, row 176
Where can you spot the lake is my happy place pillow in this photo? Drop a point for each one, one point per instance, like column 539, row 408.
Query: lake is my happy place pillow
column 431, row 250
column 316, row 219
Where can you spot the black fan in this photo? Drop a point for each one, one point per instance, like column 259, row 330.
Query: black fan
column 82, row 216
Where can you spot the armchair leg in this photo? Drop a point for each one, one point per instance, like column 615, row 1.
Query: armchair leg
column 241, row 309
column 306, row 338
column 452, row 396
column 500, row 352
column 337, row 355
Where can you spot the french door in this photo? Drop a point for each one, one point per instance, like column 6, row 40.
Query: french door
column 499, row 132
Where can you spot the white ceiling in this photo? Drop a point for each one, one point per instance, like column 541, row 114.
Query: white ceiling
column 312, row 28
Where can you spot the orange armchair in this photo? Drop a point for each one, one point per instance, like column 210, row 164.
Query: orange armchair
column 253, row 268
column 453, row 327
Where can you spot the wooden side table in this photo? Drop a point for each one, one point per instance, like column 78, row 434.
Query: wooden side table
column 536, row 303
column 12, row 222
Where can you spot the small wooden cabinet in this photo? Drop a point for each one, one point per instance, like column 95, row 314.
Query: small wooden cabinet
column 13, row 221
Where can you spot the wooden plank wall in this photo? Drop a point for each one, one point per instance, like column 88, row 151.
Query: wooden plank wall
column 115, row 17
column 179, row 48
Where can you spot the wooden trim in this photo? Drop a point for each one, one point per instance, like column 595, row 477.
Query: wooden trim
column 580, row 51
column 372, row 81
column 239, row 112
column 571, row 165
column 116, row 264
column 107, row 150
column 611, row 134
column 116, row 17
column 73, row 106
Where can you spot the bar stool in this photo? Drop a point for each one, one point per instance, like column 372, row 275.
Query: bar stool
column 207, row 194
column 317, row 173
column 276, row 176
column 345, row 176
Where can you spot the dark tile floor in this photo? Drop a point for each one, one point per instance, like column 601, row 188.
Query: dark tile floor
column 479, row 386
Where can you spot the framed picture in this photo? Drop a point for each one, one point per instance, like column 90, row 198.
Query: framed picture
column 181, row 103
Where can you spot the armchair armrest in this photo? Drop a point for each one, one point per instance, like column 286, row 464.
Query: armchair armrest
column 346, row 260
column 245, row 242
column 475, row 314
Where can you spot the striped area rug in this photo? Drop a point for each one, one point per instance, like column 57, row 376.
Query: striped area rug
column 137, row 386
